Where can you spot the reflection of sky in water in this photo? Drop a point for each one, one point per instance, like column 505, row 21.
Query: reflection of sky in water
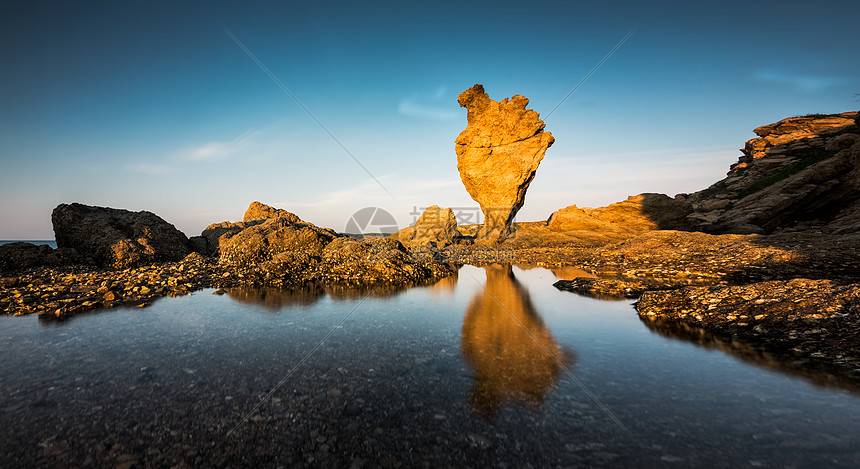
column 441, row 374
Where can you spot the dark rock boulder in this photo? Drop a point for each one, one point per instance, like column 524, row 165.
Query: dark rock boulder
column 117, row 238
column 18, row 256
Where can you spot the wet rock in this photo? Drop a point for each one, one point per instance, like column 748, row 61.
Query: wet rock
column 9, row 282
column 817, row 317
column 602, row 288
column 115, row 237
column 497, row 155
column 436, row 226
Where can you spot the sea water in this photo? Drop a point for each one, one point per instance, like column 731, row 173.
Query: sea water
column 492, row 367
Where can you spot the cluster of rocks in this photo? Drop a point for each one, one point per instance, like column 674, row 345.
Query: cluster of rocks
column 601, row 288
column 281, row 249
column 108, row 257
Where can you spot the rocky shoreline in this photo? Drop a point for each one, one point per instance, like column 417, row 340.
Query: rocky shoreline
column 62, row 292
column 768, row 256
column 770, row 290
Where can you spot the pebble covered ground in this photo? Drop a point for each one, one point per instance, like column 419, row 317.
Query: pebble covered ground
column 62, row 292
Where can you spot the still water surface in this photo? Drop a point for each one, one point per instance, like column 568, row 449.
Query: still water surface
column 494, row 367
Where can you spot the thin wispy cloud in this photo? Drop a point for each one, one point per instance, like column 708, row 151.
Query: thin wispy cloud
column 411, row 108
column 221, row 150
column 431, row 106
column 805, row 83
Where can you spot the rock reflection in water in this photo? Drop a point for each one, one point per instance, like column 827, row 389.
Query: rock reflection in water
column 275, row 299
column 569, row 272
column 446, row 285
column 781, row 361
column 506, row 342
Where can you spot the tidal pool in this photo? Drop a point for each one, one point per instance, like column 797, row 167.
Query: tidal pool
column 493, row 367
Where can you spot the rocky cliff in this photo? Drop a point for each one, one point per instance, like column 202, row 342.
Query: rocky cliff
column 800, row 174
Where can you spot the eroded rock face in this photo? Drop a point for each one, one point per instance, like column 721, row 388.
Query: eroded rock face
column 283, row 250
column 436, row 226
column 790, row 132
column 497, row 155
column 117, row 238
column 802, row 174
column 259, row 211
column 637, row 214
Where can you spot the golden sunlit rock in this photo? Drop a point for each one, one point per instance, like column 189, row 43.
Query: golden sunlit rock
column 512, row 352
column 497, row 155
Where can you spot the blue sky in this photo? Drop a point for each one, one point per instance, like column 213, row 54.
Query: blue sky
column 152, row 106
